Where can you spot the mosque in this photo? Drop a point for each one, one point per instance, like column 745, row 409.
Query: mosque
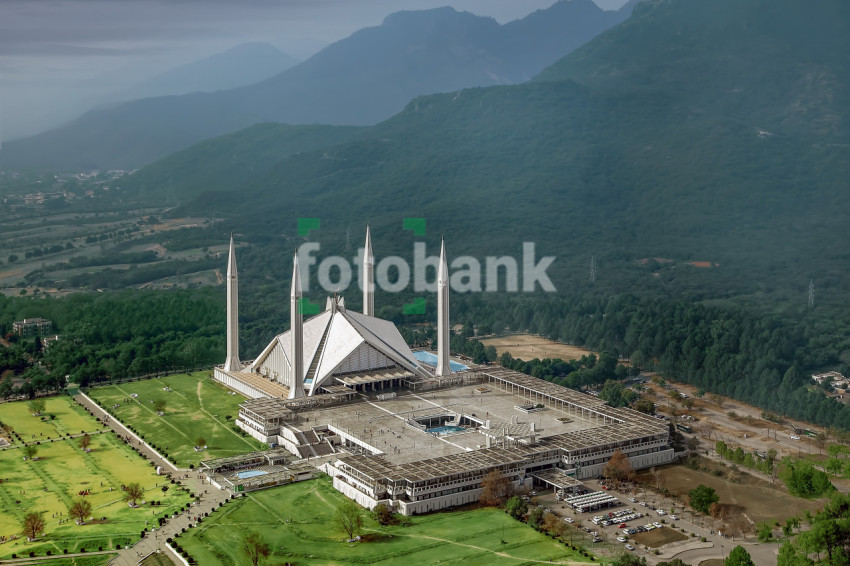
column 337, row 347
column 344, row 393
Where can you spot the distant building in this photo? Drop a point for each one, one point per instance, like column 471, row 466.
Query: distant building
column 32, row 327
column 837, row 378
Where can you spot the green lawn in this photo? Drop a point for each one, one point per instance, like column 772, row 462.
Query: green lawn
column 311, row 536
column 62, row 470
column 196, row 407
column 70, row 418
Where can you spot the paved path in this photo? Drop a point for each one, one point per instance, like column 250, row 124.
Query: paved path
column 190, row 479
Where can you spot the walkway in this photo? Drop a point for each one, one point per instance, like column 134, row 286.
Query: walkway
column 210, row 496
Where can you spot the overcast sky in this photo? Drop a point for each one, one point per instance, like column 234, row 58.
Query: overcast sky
column 55, row 55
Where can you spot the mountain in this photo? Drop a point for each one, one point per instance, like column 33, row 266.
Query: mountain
column 360, row 80
column 699, row 149
column 242, row 65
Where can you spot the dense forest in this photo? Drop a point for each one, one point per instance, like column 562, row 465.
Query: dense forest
column 756, row 358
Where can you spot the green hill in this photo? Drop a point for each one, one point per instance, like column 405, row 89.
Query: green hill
column 690, row 133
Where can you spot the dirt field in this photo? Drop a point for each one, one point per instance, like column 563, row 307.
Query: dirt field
column 747, row 500
column 659, row 537
column 527, row 347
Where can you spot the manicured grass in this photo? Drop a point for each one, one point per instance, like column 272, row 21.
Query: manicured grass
column 195, row 406
column 62, row 470
column 483, row 537
column 70, row 418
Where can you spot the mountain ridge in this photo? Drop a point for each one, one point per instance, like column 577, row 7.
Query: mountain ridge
column 360, row 80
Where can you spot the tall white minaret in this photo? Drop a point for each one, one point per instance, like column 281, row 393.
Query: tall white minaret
column 296, row 389
column 368, row 277
column 443, row 336
column 232, row 362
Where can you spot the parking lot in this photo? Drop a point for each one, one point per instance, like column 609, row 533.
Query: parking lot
column 638, row 521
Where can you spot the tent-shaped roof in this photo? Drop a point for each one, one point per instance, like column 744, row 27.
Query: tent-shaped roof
column 337, row 340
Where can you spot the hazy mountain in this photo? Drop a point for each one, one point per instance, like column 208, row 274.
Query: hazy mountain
column 698, row 132
column 242, row 65
column 360, row 80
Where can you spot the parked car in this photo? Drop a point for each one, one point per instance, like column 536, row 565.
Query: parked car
column 597, row 539
column 622, row 539
column 569, row 520
column 657, row 525
column 674, row 517
column 632, row 499
column 629, row 547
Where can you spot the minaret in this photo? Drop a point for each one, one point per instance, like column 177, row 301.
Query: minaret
column 296, row 355
column 232, row 362
column 443, row 336
column 368, row 277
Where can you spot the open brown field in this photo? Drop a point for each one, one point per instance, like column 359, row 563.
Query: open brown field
column 527, row 347
column 659, row 537
column 747, row 500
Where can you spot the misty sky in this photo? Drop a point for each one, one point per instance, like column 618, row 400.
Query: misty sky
column 57, row 57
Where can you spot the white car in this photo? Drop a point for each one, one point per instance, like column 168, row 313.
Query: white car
column 622, row 539
column 569, row 520
column 794, row 437
column 661, row 513
column 657, row 525
column 674, row 517
column 629, row 547
column 632, row 499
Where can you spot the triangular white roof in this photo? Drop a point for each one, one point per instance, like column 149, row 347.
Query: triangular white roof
column 352, row 342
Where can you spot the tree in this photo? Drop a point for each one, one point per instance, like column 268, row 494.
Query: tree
column 30, row 452
column 33, row 525
column 553, row 524
column 765, row 532
column 255, row 548
column 516, row 507
column 84, row 442
column 495, row 489
column 159, row 405
column 535, row 517
column 7, row 387
column 133, row 493
column 36, row 406
column 201, row 442
column 701, row 498
column 383, row 514
column 618, row 468
column 80, row 509
column 645, row 405
column 739, row 557
column 349, row 519
column 629, row 559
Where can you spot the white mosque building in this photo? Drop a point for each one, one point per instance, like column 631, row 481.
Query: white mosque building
column 337, row 348
column 325, row 391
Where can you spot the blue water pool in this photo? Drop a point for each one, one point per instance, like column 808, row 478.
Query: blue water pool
column 431, row 359
column 250, row 474
column 445, row 429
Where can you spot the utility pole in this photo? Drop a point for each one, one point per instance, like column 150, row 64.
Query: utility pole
column 592, row 269
column 811, row 293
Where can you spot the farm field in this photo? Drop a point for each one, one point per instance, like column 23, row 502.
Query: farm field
column 528, row 347
column 196, row 406
column 298, row 522
column 62, row 471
